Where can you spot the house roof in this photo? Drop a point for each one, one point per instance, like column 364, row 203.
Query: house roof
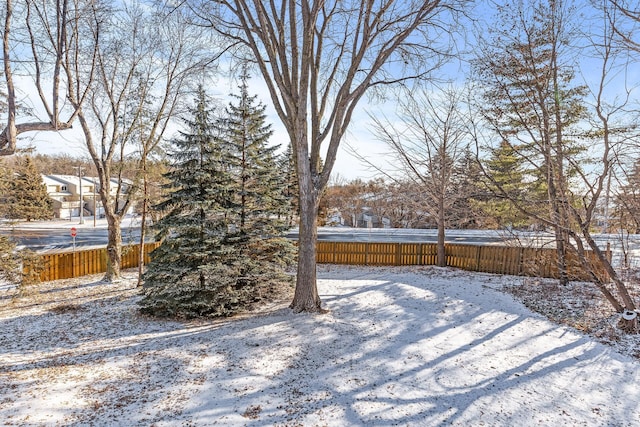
column 87, row 181
column 53, row 180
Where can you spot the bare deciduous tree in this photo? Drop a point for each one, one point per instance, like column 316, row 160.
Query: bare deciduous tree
column 143, row 68
column 47, row 37
column 625, row 20
column 428, row 144
column 534, row 106
column 318, row 59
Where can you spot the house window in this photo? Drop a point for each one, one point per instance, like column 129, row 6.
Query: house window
column 63, row 188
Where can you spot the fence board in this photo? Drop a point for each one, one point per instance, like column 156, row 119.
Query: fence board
column 539, row 262
column 66, row 265
column 511, row 260
column 409, row 254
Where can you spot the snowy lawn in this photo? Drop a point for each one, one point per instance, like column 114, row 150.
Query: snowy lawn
column 400, row 346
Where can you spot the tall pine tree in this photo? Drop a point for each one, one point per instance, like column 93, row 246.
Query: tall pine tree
column 188, row 275
column 627, row 202
column 221, row 241
column 9, row 260
column 5, row 189
column 530, row 99
column 290, row 186
column 260, row 199
column 28, row 195
column 505, row 181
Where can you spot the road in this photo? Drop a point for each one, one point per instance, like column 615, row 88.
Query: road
column 476, row 237
column 56, row 236
column 52, row 239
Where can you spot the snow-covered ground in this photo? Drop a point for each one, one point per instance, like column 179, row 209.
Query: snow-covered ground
column 400, row 346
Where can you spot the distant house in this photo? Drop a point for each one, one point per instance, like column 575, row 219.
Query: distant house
column 65, row 191
column 367, row 219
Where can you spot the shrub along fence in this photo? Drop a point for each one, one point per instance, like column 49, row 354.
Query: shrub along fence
column 517, row 261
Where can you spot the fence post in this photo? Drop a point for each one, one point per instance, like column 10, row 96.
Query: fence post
column 67, row 264
column 366, row 253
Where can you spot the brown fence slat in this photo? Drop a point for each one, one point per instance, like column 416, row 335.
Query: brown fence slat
column 66, row 265
column 511, row 260
column 489, row 259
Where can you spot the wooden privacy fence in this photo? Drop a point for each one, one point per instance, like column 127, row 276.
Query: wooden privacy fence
column 65, row 265
column 517, row 261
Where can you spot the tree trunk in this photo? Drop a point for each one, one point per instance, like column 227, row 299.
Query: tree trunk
column 558, row 219
column 114, row 248
column 442, row 256
column 145, row 201
column 8, row 137
column 143, row 236
column 141, row 253
column 623, row 292
column 561, row 251
column 306, row 296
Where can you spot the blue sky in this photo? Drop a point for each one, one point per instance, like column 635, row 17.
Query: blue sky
column 359, row 136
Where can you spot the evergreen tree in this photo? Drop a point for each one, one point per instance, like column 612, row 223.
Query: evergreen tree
column 260, row 196
column 531, row 101
column 28, row 195
column 189, row 275
column 286, row 163
column 259, row 181
column 505, row 182
column 466, row 191
column 9, row 260
column 627, row 201
column 221, row 239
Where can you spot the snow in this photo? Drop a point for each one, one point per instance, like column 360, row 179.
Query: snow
column 399, row 346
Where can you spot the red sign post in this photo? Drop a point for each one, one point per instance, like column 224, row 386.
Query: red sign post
column 74, row 233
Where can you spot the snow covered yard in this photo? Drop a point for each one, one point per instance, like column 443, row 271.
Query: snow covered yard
column 400, row 346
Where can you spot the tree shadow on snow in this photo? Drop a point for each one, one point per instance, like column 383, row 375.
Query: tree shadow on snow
column 405, row 353
column 397, row 347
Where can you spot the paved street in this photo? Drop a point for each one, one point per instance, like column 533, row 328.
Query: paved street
column 55, row 235
column 347, row 234
column 44, row 236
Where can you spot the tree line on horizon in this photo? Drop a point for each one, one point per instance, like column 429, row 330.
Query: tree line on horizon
column 400, row 203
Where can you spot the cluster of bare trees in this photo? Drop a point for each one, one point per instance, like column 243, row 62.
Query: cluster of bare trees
column 550, row 133
column 429, row 146
column 568, row 133
column 118, row 69
column 121, row 71
column 318, row 60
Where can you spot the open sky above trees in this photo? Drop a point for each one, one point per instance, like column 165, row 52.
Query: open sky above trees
column 361, row 136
